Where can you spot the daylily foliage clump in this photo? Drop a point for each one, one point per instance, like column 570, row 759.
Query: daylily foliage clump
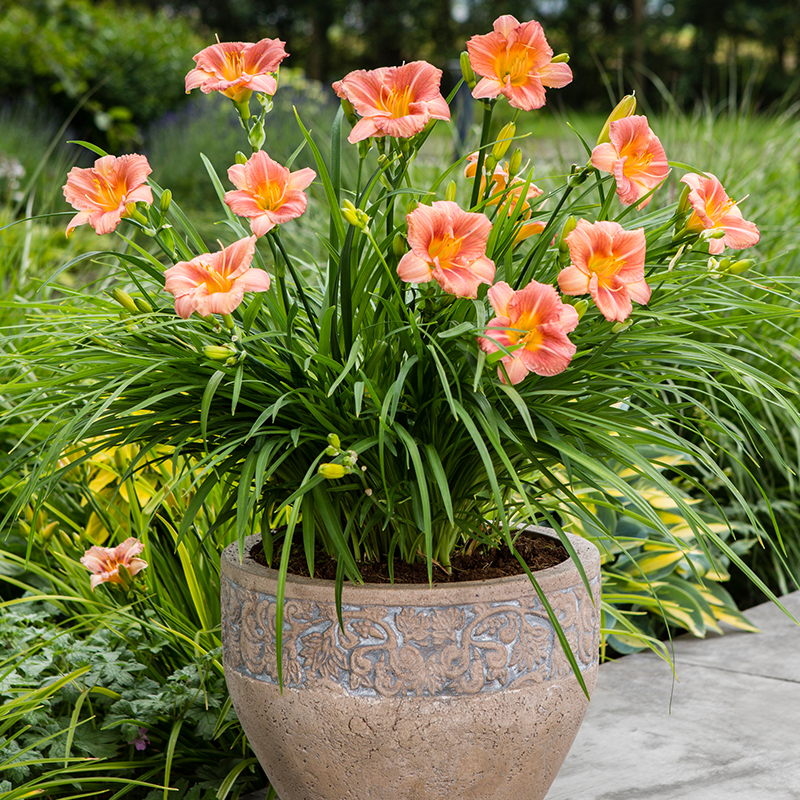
column 464, row 339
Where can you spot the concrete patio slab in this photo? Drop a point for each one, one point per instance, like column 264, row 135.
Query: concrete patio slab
column 727, row 729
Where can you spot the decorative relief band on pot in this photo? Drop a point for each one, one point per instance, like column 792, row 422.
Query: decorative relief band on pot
column 410, row 651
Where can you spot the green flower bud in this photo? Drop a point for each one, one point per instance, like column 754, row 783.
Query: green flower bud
column 364, row 146
column 569, row 225
column 399, row 245
column 467, row 71
column 355, row 216
column 578, row 177
column 450, row 191
column 240, row 158
column 739, row 267
column 165, row 202
column 142, row 305
column 624, row 108
column 219, row 352
column 684, row 206
column 334, row 441
column 620, row 327
column 412, row 206
column 489, row 164
column 349, row 111
column 125, row 300
column 256, row 136
column 514, row 163
column 504, row 140
column 582, row 306
column 561, row 58
column 167, row 238
column 332, row 471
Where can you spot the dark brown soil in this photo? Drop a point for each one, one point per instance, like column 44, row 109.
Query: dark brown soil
column 540, row 552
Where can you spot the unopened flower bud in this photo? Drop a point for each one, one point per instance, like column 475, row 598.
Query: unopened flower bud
column 620, row 327
column 578, row 177
column 142, row 305
column 399, row 245
column 331, row 451
column 364, row 146
column 467, row 71
column 412, row 206
column 125, row 300
column 684, row 206
column 332, row 471
column 569, row 225
column 489, row 164
column 219, row 352
column 167, row 238
column 240, row 158
column 561, row 58
column 48, row 531
column 582, row 306
column 624, row 108
column 504, row 140
column 514, row 163
column 740, row 266
column 717, row 233
column 334, row 441
column 450, row 191
column 165, row 202
column 256, row 136
column 349, row 111
column 355, row 216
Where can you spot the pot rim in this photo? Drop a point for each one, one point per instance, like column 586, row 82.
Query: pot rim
column 250, row 572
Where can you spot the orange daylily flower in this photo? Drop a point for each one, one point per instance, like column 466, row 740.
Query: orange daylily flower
column 714, row 210
column 237, row 69
column 215, row 283
column 393, row 101
column 267, row 193
column 104, row 562
column 506, row 191
column 534, row 323
column 516, row 61
column 608, row 263
column 108, row 191
column 448, row 245
column 635, row 158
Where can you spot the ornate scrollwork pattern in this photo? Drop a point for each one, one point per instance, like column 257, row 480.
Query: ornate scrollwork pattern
column 410, row 651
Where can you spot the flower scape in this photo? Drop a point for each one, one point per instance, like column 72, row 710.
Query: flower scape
column 461, row 347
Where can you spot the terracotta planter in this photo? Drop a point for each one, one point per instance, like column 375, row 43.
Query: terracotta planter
column 452, row 691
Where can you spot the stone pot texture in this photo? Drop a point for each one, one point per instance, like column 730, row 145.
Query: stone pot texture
column 458, row 691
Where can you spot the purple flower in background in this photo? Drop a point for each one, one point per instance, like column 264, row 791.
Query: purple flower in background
column 141, row 741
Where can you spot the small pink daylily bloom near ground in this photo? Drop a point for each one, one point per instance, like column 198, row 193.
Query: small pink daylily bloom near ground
column 635, row 158
column 393, row 101
column 515, row 60
column 534, row 323
column 608, row 263
column 713, row 210
column 237, row 69
column 448, row 245
column 108, row 191
column 215, row 283
column 267, row 193
column 104, row 562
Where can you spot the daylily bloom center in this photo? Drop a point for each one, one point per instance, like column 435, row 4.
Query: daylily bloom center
column 515, row 64
column 443, row 248
column 270, row 195
column 605, row 267
column 397, row 103
column 216, row 281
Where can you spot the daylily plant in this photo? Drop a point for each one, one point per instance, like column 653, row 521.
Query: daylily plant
column 412, row 387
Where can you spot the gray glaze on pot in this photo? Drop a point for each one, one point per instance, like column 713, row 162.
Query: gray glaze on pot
column 451, row 691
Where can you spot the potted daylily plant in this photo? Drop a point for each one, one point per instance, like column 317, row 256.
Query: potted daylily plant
column 390, row 415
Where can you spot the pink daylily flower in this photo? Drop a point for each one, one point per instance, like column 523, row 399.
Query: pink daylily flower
column 108, row 191
column 104, row 562
column 608, row 263
column 448, row 245
column 534, row 323
column 714, row 210
column 237, row 69
column 393, row 101
column 267, row 193
column 215, row 283
column 635, row 158
column 516, row 61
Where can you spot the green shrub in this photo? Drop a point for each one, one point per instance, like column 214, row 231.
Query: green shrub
column 133, row 61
